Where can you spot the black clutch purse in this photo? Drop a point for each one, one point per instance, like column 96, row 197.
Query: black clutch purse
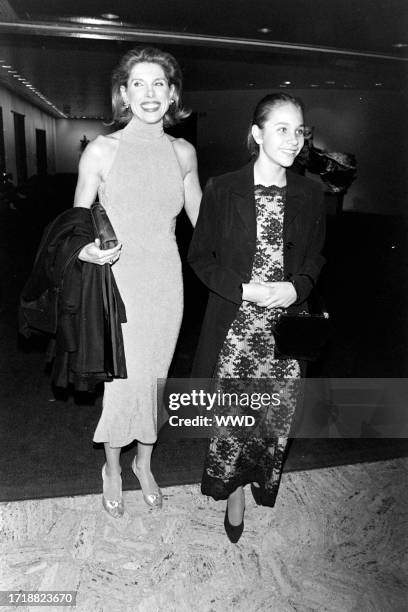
column 103, row 227
column 303, row 336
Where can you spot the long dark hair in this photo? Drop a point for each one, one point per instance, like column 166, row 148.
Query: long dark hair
column 261, row 115
column 120, row 76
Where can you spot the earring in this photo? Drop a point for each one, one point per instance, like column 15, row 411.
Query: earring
column 125, row 105
column 171, row 101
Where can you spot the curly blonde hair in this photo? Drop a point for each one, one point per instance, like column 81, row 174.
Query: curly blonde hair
column 120, row 76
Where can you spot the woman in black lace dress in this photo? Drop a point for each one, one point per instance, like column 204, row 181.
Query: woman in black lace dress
column 257, row 247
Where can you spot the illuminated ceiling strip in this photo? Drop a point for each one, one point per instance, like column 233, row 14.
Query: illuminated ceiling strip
column 133, row 34
column 23, row 85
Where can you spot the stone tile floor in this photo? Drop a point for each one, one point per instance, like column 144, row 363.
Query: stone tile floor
column 336, row 541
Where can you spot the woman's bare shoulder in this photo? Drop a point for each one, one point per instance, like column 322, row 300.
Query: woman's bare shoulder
column 99, row 153
column 186, row 153
column 104, row 144
column 182, row 145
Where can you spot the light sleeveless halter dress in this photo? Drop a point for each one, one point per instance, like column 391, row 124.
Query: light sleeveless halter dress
column 143, row 194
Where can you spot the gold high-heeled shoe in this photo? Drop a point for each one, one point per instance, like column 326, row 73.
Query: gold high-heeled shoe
column 154, row 500
column 114, row 507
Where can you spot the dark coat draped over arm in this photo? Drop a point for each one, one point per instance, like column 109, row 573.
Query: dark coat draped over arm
column 223, row 247
column 78, row 303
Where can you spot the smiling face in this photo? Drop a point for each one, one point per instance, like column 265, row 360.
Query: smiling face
column 282, row 136
column 147, row 92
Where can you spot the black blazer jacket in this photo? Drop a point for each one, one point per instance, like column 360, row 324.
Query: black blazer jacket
column 223, row 248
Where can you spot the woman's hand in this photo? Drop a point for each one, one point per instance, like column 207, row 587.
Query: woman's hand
column 91, row 253
column 270, row 295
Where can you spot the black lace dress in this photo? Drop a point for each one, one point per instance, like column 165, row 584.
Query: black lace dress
column 248, row 353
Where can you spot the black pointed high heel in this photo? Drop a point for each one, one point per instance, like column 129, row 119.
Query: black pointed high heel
column 234, row 532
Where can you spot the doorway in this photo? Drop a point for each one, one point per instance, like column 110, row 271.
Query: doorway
column 41, row 147
column 21, row 151
column 2, row 147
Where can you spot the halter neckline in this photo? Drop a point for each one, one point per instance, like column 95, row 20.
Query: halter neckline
column 137, row 129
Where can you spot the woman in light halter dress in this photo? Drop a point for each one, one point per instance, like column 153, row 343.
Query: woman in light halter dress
column 144, row 177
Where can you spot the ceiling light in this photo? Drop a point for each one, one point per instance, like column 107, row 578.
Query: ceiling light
column 400, row 45
column 314, row 85
column 16, row 75
column 379, row 84
column 109, row 16
column 264, row 30
column 287, row 82
column 330, row 82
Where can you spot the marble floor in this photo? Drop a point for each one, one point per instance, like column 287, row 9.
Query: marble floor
column 336, row 541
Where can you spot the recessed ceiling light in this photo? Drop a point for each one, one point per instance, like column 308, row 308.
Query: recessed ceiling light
column 330, row 82
column 251, row 84
column 400, row 45
column 5, row 66
column 109, row 16
column 264, row 30
column 379, row 84
column 314, row 85
column 287, row 82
